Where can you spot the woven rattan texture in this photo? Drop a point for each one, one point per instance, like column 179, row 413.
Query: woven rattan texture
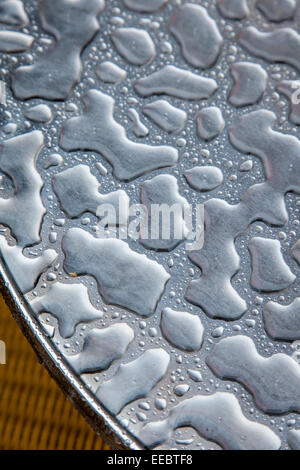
column 34, row 413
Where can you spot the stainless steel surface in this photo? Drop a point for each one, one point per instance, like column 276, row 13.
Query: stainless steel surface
column 157, row 102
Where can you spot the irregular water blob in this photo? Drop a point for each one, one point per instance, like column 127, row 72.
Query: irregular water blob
column 54, row 159
column 12, row 41
column 12, row 12
column 144, row 6
column 97, row 130
column 144, row 406
column 195, row 375
column 277, row 10
column 73, row 24
column 234, row 9
column 101, row 168
column 293, row 438
column 253, row 134
column 10, row 128
column 217, row 332
column 134, row 380
column 165, row 235
column 78, row 192
column 176, row 82
column 138, row 128
column 181, row 389
column 39, row 113
column 217, row 418
column 182, row 329
column 273, row 381
column 281, row 45
column 197, row 34
column 69, row 303
column 134, row 45
column 18, row 157
column 160, row 404
column 296, row 252
column 24, row 270
column 101, row 348
column 270, row 273
column 167, row 117
column 204, row 178
column 218, row 259
column 250, row 81
column 290, row 88
column 210, row 123
column 246, row 166
column 137, row 282
column 109, row 72
column 282, row 322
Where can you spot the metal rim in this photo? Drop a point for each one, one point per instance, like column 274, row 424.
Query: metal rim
column 94, row 413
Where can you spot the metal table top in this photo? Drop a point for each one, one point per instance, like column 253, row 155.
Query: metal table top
column 149, row 213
